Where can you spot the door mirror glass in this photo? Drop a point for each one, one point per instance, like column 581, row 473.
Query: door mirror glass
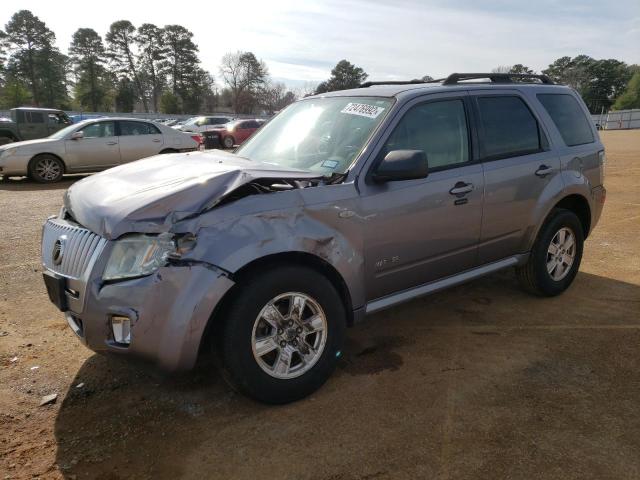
column 77, row 135
column 402, row 165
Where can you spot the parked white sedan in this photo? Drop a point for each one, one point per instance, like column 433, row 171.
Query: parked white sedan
column 92, row 145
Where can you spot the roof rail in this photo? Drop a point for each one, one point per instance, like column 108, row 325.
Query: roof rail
column 455, row 78
column 391, row 82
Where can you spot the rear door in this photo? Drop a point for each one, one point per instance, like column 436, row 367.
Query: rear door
column 97, row 149
column 32, row 124
column 138, row 140
column 417, row 231
column 518, row 165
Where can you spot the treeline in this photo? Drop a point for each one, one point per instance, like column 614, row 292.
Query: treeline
column 146, row 68
column 157, row 69
column 603, row 84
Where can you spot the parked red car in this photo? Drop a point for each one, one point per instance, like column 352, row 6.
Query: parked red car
column 236, row 132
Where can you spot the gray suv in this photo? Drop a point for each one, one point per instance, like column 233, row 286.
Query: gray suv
column 342, row 205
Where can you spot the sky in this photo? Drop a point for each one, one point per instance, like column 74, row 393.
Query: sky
column 301, row 41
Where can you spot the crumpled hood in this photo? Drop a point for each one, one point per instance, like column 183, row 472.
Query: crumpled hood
column 152, row 194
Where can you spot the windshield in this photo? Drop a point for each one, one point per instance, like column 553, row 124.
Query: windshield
column 64, row 132
column 193, row 120
column 322, row 135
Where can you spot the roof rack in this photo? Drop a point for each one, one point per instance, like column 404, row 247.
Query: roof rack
column 391, row 82
column 455, row 78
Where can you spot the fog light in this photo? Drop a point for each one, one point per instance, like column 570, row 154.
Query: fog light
column 121, row 327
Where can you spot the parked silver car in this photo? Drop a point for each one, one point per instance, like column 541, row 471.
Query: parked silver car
column 92, row 145
column 344, row 204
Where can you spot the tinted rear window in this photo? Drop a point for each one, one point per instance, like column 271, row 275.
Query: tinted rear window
column 509, row 127
column 568, row 117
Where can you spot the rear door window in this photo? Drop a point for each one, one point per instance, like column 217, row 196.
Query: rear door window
column 508, row 128
column 128, row 128
column 35, row 117
column 568, row 117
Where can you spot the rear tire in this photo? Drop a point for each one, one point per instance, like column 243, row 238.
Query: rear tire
column 228, row 142
column 46, row 169
column 273, row 351
column 555, row 257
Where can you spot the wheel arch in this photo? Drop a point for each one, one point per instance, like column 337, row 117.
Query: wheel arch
column 579, row 205
column 9, row 134
column 40, row 154
column 572, row 201
column 277, row 259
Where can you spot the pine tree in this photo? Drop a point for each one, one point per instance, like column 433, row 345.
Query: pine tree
column 35, row 59
column 120, row 42
column 89, row 58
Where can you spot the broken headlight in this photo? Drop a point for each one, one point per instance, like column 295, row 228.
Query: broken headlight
column 138, row 255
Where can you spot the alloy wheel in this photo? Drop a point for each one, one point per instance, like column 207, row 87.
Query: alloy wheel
column 561, row 254
column 289, row 335
column 48, row 169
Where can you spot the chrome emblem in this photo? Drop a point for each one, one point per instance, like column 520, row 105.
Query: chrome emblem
column 58, row 250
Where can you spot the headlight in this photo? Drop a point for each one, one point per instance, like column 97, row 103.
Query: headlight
column 138, row 255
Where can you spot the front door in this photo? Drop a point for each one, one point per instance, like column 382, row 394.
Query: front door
column 138, row 140
column 418, row 231
column 97, row 149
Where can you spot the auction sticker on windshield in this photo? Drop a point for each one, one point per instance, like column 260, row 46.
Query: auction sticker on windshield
column 362, row 109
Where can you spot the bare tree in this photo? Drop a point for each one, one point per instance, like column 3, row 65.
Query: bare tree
column 245, row 76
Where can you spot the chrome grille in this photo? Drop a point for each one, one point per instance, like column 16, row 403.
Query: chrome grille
column 79, row 247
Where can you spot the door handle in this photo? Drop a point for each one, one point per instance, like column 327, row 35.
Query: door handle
column 112, row 143
column 157, row 140
column 460, row 189
column 543, row 171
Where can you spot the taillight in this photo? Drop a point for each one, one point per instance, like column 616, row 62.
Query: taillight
column 603, row 165
column 198, row 138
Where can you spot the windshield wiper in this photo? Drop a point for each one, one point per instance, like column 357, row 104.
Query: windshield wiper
column 334, row 178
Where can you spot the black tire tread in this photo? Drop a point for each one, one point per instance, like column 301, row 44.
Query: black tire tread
column 32, row 163
column 244, row 382
column 528, row 274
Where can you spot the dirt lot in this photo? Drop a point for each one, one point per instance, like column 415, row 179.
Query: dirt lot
column 482, row 381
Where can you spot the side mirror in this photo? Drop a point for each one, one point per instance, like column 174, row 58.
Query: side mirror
column 402, row 165
column 77, row 135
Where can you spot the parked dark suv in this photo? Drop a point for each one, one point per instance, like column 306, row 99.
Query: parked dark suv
column 342, row 205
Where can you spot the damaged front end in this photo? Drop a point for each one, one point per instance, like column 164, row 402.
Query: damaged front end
column 151, row 195
column 172, row 232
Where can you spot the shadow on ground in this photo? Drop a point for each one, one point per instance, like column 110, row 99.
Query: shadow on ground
column 16, row 184
column 481, row 381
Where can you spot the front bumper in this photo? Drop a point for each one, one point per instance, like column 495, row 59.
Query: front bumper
column 17, row 165
column 168, row 310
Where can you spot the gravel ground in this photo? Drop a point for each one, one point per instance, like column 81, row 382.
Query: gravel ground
column 479, row 382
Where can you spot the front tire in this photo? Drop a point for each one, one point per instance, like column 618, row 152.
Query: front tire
column 555, row 258
column 283, row 334
column 46, row 169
